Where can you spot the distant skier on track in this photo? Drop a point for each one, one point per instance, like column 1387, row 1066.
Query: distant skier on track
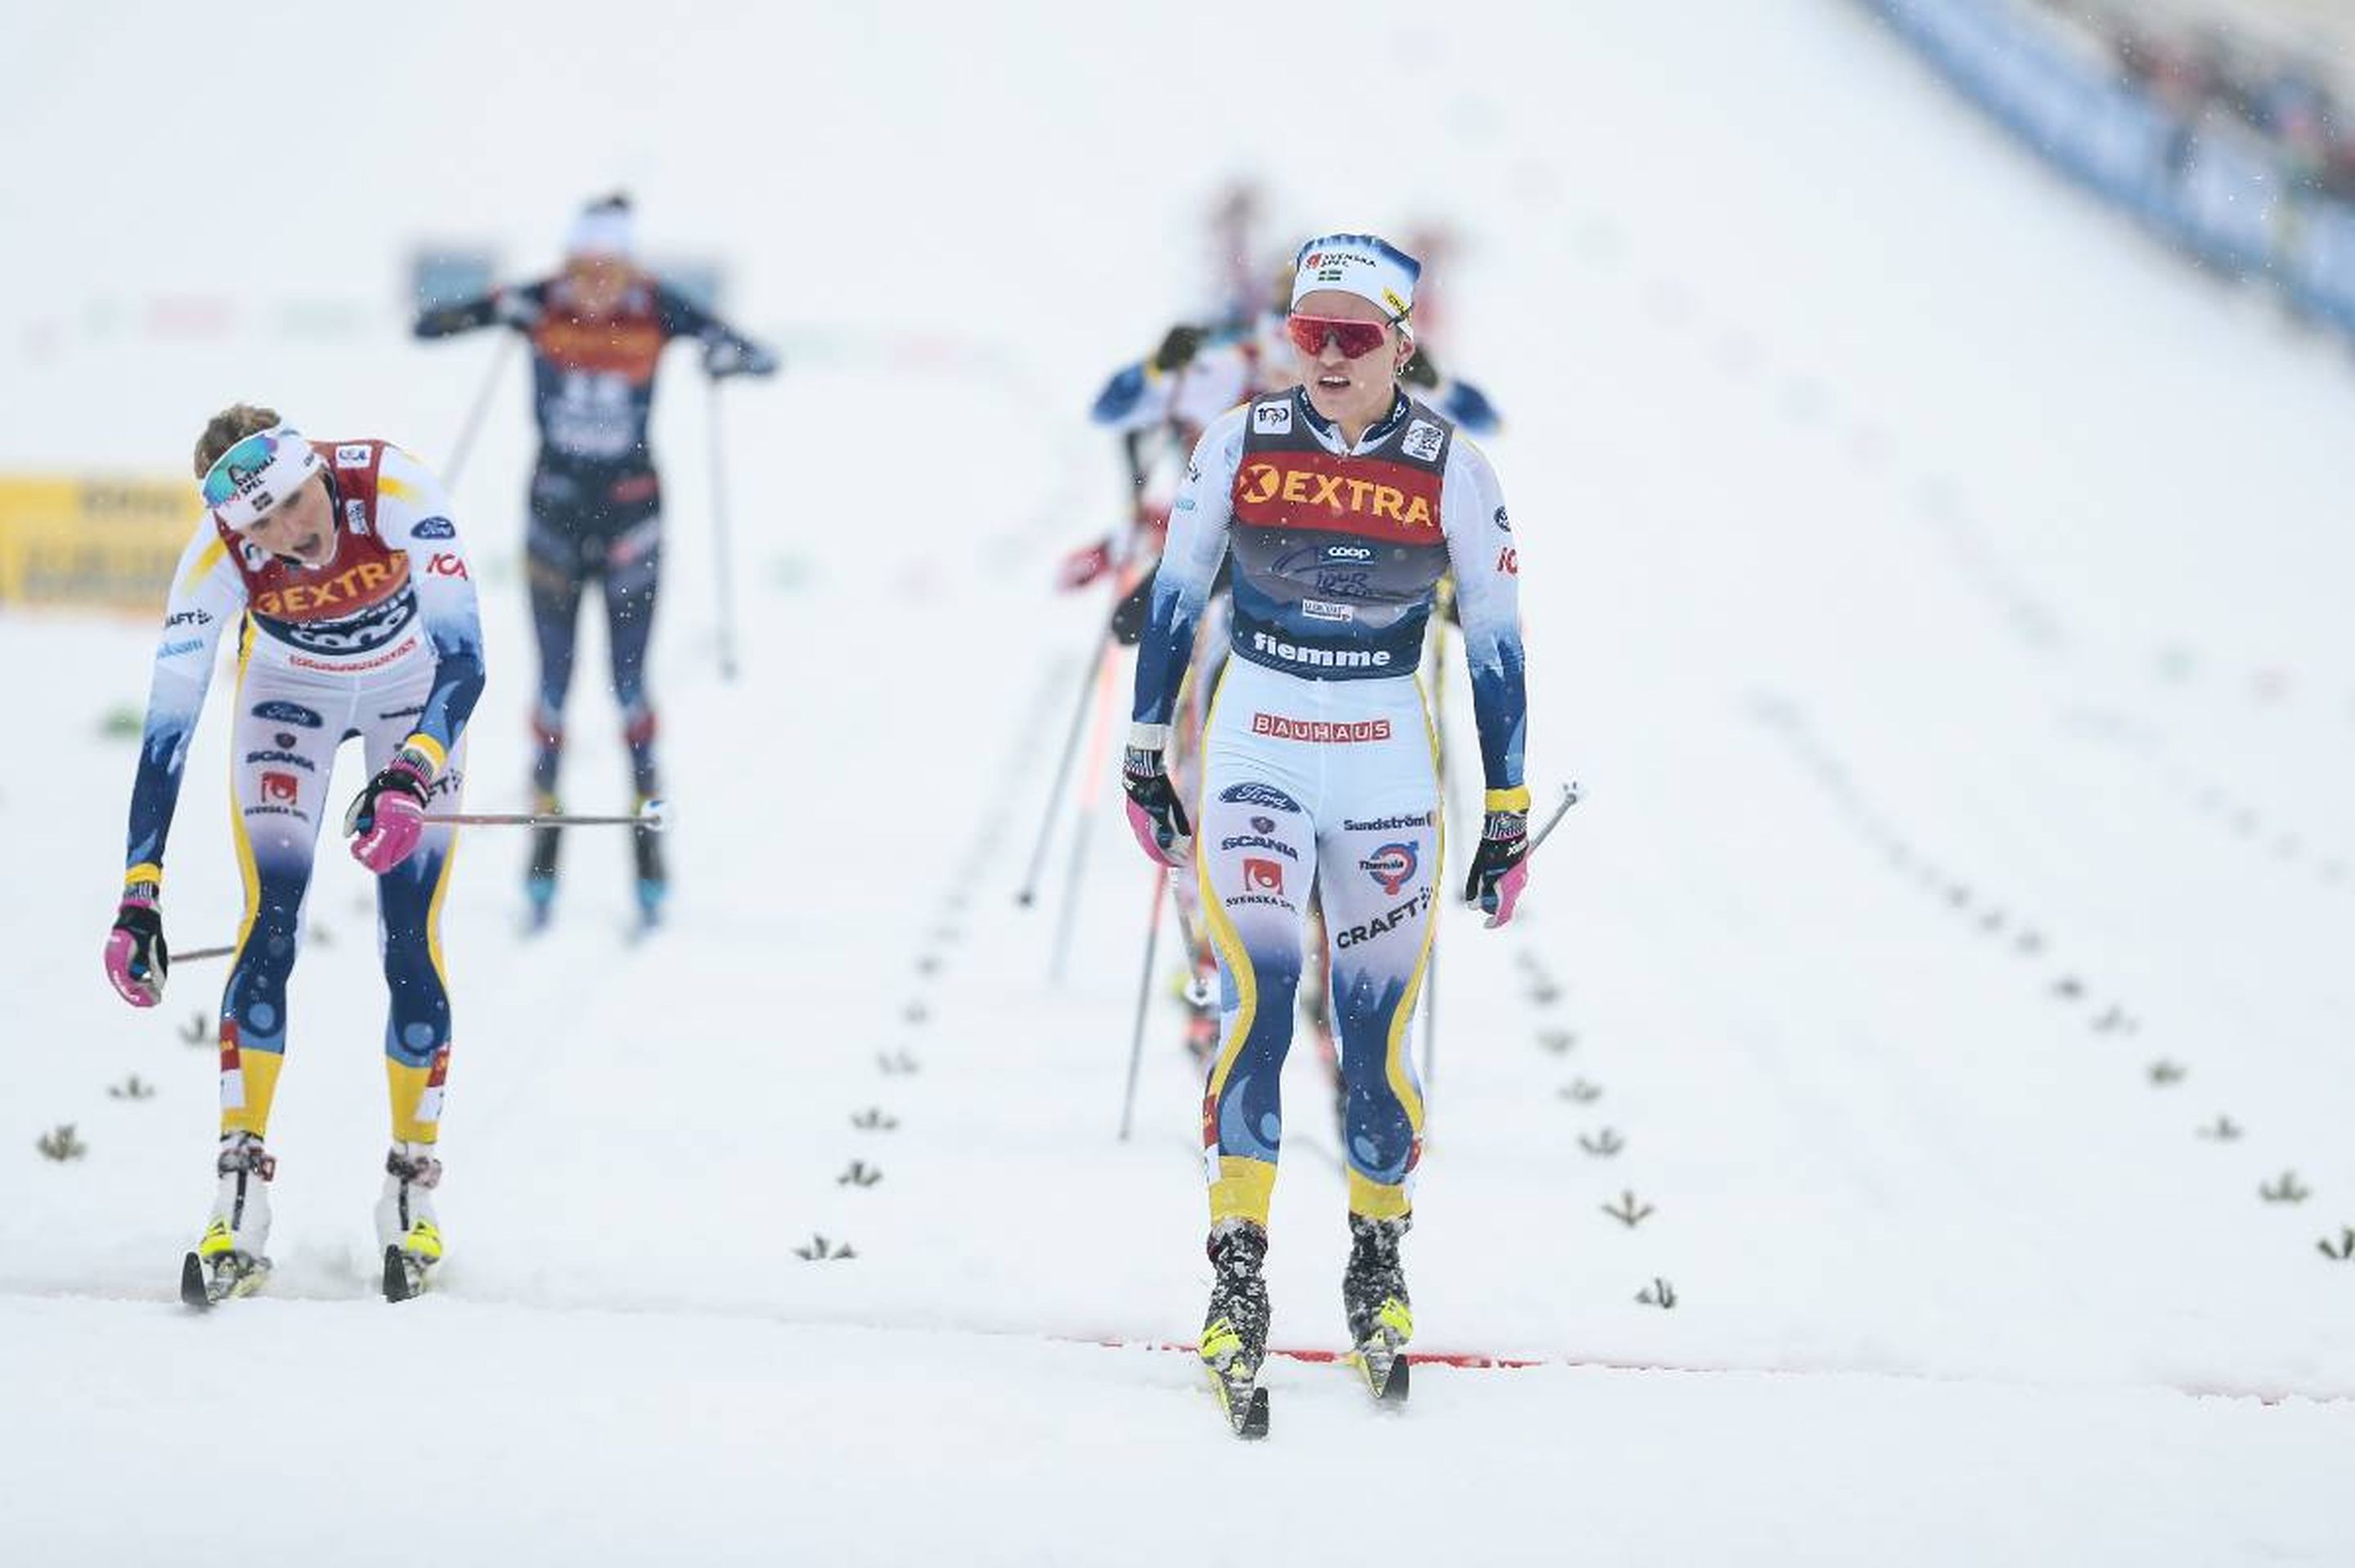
column 1345, row 502
column 355, row 606
column 597, row 331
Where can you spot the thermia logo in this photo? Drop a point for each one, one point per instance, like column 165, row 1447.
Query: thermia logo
column 1391, row 867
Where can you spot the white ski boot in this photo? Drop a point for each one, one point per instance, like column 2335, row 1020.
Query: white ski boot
column 233, row 1258
column 405, row 1227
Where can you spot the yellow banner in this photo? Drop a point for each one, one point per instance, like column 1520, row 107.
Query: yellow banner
column 94, row 541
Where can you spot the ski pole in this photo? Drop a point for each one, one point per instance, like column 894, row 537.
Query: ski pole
column 1438, row 728
column 1569, row 796
column 1029, row 893
column 1089, row 789
column 654, row 816
column 723, row 571
column 464, row 445
column 1143, row 997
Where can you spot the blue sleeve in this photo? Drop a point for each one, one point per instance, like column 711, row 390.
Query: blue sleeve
column 1470, row 408
column 1487, row 568
column 414, row 517
column 207, row 596
column 1198, row 520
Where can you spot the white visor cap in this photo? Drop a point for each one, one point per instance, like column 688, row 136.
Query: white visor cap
column 1365, row 265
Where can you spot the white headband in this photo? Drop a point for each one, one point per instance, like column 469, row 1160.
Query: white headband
column 1365, row 265
column 256, row 474
column 602, row 231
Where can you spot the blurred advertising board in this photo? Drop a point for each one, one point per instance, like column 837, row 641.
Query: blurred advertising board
column 92, row 541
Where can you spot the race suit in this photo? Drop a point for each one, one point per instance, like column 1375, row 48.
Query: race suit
column 381, row 643
column 596, row 499
column 1319, row 762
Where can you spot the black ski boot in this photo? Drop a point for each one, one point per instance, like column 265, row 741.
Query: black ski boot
column 1373, row 1295
column 653, row 883
column 539, row 878
column 1234, row 1329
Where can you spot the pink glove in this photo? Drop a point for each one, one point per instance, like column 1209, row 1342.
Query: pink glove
column 137, row 957
column 388, row 816
column 1083, row 567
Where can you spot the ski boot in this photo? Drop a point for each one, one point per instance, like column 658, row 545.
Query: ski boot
column 653, row 883
column 1234, row 1329
column 405, row 1227
column 539, row 879
column 232, row 1259
column 1373, row 1295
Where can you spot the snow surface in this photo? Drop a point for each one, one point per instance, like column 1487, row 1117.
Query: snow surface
column 1935, row 587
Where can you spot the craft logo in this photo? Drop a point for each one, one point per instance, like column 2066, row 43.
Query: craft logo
column 1322, row 731
column 282, row 788
column 1262, row 483
column 1380, row 924
column 1263, row 876
column 1267, row 419
column 1392, row 866
column 355, row 456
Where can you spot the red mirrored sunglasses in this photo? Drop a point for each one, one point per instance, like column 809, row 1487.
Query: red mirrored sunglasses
column 1354, row 339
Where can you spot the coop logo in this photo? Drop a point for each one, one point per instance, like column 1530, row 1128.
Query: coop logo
column 1391, row 867
column 1262, row 875
column 1321, row 732
column 1263, row 484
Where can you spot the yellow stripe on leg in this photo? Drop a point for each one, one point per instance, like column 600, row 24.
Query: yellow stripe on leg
column 259, row 1072
column 1377, row 1200
column 1245, row 1190
column 416, row 1095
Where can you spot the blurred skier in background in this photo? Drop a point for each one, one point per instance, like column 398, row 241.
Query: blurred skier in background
column 355, row 606
column 597, row 331
column 1345, row 500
